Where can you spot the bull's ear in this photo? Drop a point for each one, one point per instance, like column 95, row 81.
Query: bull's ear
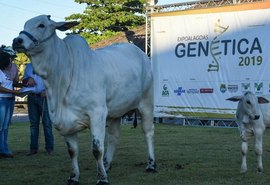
column 262, row 100
column 63, row 26
column 235, row 98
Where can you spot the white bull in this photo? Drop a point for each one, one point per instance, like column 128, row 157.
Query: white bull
column 89, row 89
column 252, row 115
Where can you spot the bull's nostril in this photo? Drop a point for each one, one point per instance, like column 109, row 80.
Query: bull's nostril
column 20, row 41
column 256, row 117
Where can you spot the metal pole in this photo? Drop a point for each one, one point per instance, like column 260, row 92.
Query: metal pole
column 146, row 33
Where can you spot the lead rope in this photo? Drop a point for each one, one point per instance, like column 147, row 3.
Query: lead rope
column 43, row 107
column 41, row 117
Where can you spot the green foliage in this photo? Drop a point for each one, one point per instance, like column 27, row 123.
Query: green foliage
column 21, row 60
column 105, row 18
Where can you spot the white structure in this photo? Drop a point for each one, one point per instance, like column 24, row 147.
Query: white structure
column 206, row 52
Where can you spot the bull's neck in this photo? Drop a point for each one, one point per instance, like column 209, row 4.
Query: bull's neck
column 55, row 67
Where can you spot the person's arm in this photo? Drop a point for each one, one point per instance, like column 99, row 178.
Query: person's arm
column 27, row 72
column 29, row 82
column 28, row 78
column 5, row 90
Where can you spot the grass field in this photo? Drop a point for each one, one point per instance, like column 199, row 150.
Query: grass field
column 185, row 156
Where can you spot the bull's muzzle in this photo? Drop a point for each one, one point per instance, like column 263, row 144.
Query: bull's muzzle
column 17, row 44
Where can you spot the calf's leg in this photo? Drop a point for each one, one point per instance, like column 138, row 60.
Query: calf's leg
column 72, row 144
column 259, row 149
column 244, row 148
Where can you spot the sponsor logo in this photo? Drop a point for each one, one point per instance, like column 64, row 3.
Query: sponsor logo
column 245, row 87
column 232, row 88
column 193, row 91
column 223, row 88
column 258, row 88
column 206, row 90
column 165, row 91
column 179, row 91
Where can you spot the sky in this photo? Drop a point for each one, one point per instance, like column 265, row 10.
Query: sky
column 14, row 13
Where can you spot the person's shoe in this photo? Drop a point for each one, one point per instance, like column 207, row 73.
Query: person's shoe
column 31, row 152
column 49, row 152
column 6, row 155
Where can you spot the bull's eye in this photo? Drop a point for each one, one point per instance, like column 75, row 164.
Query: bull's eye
column 248, row 102
column 41, row 26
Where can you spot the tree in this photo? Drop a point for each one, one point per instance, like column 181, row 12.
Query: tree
column 21, row 60
column 105, row 18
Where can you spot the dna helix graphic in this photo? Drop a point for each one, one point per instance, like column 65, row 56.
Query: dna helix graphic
column 214, row 46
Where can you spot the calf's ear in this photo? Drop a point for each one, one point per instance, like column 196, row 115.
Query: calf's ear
column 262, row 100
column 235, row 98
column 63, row 26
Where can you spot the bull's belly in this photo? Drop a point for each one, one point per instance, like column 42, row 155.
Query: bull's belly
column 122, row 103
column 69, row 121
column 119, row 112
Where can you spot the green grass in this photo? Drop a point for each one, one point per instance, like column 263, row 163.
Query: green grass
column 199, row 114
column 185, row 156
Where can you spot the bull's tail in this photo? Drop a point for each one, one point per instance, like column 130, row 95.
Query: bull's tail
column 135, row 123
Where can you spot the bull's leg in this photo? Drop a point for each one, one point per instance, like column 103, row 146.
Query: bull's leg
column 259, row 149
column 146, row 110
column 148, row 128
column 98, row 124
column 113, row 137
column 72, row 144
column 244, row 148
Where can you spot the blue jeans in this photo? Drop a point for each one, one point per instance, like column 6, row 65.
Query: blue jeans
column 6, row 111
column 38, row 110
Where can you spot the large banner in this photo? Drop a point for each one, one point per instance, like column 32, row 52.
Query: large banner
column 202, row 57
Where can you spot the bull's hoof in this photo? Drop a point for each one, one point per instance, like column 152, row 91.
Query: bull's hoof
column 260, row 171
column 151, row 167
column 243, row 171
column 151, row 170
column 72, row 182
column 103, row 183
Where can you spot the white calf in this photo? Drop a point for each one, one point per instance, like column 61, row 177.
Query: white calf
column 252, row 116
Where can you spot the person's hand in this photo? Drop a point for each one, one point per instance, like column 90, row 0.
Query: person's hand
column 31, row 82
column 16, row 92
column 43, row 94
